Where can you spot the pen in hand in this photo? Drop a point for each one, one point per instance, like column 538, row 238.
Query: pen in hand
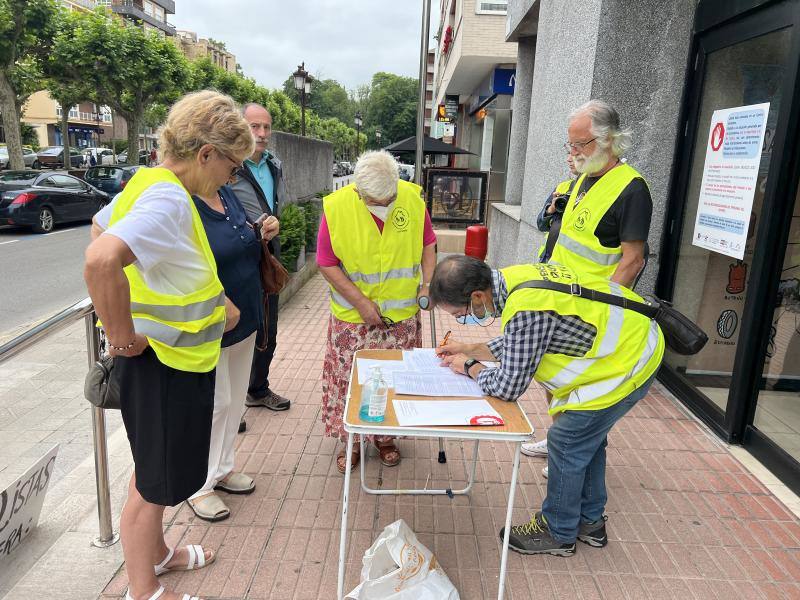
column 446, row 337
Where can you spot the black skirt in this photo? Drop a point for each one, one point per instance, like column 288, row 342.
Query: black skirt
column 167, row 415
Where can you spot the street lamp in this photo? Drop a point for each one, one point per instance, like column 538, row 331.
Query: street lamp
column 378, row 137
column 359, row 122
column 302, row 83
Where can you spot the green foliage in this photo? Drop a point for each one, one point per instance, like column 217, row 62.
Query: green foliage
column 26, row 33
column 126, row 68
column 292, row 235
column 155, row 115
column 312, row 212
column 328, row 99
column 392, row 106
column 29, row 137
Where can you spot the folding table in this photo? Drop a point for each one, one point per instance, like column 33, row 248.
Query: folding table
column 517, row 429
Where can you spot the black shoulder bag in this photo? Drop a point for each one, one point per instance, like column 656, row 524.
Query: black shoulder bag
column 681, row 334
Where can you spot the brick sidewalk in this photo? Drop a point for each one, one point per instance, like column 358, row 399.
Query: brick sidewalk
column 685, row 518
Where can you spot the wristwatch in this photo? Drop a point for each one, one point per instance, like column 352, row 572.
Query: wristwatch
column 468, row 365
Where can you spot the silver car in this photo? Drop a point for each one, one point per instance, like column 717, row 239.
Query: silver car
column 28, row 155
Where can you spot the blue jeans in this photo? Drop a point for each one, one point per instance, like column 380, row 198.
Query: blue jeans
column 576, row 461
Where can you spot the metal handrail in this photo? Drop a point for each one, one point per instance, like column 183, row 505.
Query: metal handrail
column 72, row 314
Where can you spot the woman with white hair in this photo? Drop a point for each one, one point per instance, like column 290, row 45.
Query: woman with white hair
column 376, row 249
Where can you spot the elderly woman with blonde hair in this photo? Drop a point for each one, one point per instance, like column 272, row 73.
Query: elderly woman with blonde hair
column 153, row 280
column 376, row 249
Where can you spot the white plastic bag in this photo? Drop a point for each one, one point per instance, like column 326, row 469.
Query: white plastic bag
column 398, row 567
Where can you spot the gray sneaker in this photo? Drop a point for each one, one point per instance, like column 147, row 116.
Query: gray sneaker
column 594, row 533
column 271, row 401
column 534, row 538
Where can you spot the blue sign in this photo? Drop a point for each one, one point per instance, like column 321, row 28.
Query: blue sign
column 503, row 81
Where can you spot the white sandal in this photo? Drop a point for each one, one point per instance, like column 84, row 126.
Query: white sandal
column 158, row 594
column 197, row 560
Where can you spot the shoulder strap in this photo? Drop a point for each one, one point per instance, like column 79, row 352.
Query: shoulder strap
column 552, row 235
column 576, row 290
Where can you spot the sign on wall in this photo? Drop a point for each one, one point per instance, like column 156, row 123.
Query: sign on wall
column 730, row 173
column 21, row 503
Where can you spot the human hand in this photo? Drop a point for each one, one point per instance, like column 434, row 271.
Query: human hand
column 456, row 362
column 551, row 207
column 140, row 343
column 232, row 315
column 452, row 347
column 370, row 312
column 270, row 228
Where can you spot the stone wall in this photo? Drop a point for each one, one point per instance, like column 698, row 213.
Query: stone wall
column 624, row 56
column 306, row 163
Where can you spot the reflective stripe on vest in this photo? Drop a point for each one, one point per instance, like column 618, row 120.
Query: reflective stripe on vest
column 184, row 330
column 384, row 266
column 625, row 353
column 578, row 247
column 188, row 312
column 178, row 338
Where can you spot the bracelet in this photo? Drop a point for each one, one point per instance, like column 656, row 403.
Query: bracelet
column 122, row 348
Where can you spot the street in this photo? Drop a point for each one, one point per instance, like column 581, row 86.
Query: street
column 40, row 274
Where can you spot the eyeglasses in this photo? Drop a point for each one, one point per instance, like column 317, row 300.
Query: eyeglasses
column 236, row 165
column 577, row 146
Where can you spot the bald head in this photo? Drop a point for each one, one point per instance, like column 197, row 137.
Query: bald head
column 260, row 122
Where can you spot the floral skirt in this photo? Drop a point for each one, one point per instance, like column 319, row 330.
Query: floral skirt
column 344, row 339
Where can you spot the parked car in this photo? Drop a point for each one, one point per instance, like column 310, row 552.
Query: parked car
column 28, row 155
column 338, row 170
column 42, row 199
column 110, row 179
column 406, row 172
column 122, row 157
column 103, row 156
column 53, row 157
column 348, row 167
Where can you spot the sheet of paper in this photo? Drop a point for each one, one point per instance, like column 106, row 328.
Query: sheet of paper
column 388, row 367
column 445, row 412
column 422, row 359
column 444, row 383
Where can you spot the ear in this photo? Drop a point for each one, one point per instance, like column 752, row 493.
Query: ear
column 204, row 154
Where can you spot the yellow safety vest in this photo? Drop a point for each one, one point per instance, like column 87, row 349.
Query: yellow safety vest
column 626, row 351
column 561, row 189
column 386, row 266
column 578, row 247
column 184, row 331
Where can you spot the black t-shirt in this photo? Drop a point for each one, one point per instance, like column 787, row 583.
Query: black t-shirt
column 628, row 219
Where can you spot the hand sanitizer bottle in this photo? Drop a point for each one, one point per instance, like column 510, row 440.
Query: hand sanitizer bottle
column 373, row 398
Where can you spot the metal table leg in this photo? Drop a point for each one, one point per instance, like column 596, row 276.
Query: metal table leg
column 445, row 492
column 504, row 555
column 345, row 501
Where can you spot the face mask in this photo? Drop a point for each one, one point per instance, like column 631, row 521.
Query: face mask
column 381, row 211
column 471, row 319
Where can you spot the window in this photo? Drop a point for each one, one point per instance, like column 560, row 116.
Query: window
column 66, row 182
column 149, row 9
column 491, row 7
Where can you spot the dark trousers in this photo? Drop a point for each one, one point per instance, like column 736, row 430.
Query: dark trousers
column 259, row 374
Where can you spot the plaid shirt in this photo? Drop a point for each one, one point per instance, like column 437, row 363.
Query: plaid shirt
column 527, row 337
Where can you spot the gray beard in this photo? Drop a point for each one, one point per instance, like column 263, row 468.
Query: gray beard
column 594, row 163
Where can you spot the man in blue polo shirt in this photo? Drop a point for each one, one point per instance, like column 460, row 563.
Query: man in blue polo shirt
column 261, row 189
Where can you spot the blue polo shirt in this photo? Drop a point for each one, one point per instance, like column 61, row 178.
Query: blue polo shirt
column 237, row 253
column 264, row 178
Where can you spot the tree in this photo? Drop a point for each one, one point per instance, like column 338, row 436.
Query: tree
column 328, row 98
column 392, row 106
column 125, row 67
column 62, row 77
column 26, row 31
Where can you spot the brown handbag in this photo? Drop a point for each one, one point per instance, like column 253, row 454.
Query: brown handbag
column 274, row 278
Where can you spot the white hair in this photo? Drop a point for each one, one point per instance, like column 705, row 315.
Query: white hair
column 605, row 126
column 376, row 175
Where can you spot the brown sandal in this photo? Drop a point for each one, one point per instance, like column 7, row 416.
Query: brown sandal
column 354, row 458
column 386, row 450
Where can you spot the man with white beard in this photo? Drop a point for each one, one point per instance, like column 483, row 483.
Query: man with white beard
column 606, row 222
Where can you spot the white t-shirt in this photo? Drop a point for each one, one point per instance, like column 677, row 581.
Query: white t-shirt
column 158, row 230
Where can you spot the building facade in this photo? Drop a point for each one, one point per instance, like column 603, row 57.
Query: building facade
column 673, row 69
column 474, row 68
column 195, row 48
column 151, row 15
